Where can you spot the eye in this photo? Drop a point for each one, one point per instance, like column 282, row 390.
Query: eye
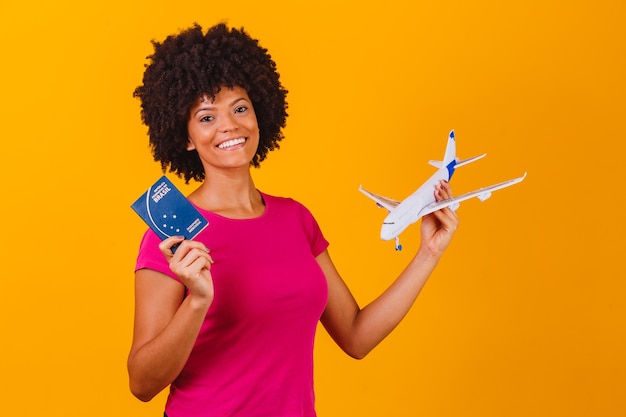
column 241, row 109
column 207, row 118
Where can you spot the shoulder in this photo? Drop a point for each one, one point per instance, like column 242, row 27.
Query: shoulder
column 296, row 216
column 287, row 207
column 150, row 256
column 283, row 203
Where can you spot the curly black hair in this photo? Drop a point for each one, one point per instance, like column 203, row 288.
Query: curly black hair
column 191, row 64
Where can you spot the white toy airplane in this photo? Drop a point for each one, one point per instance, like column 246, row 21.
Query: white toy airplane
column 422, row 202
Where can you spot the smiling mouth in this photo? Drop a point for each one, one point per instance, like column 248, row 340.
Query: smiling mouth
column 231, row 143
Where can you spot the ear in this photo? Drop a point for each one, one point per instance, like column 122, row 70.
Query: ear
column 190, row 145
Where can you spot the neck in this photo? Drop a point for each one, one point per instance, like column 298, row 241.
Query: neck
column 228, row 196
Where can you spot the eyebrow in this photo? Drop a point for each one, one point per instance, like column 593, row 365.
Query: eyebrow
column 232, row 103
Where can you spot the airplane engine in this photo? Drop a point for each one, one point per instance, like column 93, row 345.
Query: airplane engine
column 484, row 196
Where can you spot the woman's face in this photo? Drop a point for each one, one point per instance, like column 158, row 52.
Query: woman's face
column 224, row 131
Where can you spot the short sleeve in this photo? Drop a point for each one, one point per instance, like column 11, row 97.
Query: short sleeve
column 313, row 231
column 150, row 257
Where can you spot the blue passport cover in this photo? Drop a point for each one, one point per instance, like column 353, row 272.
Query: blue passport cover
column 168, row 212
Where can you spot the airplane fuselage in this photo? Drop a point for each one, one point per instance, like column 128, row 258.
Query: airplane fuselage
column 423, row 202
column 408, row 211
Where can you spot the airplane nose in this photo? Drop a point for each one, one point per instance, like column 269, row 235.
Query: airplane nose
column 387, row 232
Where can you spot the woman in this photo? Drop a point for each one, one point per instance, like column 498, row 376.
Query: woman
column 231, row 329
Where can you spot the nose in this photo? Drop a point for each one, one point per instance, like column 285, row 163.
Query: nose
column 227, row 123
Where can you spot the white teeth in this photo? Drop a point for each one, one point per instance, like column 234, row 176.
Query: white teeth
column 232, row 142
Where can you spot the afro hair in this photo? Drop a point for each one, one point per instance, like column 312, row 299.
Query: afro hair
column 192, row 64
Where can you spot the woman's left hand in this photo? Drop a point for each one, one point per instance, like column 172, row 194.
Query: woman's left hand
column 439, row 227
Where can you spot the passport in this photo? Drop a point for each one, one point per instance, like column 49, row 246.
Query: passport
column 168, row 212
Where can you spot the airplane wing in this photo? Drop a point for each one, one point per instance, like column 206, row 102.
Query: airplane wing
column 381, row 201
column 482, row 194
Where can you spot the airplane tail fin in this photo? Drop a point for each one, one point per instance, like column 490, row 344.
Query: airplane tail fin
column 450, row 154
column 450, row 149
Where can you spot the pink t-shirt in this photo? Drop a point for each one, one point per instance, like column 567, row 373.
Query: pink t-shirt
column 254, row 353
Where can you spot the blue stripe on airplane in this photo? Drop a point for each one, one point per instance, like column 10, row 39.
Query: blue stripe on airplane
column 450, row 168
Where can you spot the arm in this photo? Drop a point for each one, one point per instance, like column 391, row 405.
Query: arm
column 166, row 325
column 357, row 331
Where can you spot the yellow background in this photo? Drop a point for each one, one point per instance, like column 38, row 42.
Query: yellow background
column 524, row 316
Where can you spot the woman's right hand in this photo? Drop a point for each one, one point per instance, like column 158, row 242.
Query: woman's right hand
column 192, row 265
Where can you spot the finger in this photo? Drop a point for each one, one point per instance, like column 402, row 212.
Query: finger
column 168, row 244
column 443, row 190
column 186, row 247
column 194, row 261
column 197, row 265
column 439, row 192
column 447, row 189
column 448, row 218
column 208, row 251
column 193, row 255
